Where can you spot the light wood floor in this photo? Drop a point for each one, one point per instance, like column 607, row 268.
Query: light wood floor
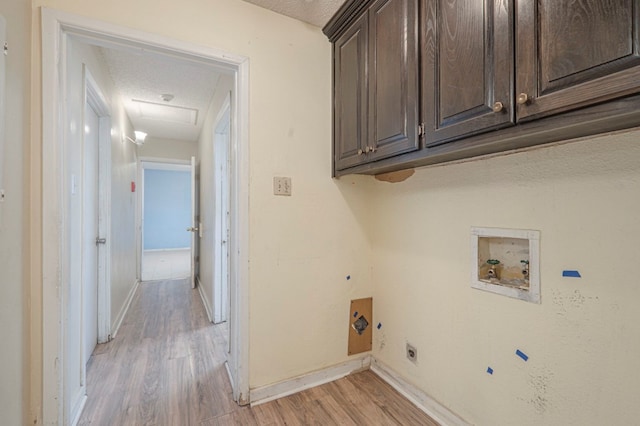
column 166, row 367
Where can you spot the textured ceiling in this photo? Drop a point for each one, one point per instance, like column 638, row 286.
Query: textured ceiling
column 316, row 12
column 146, row 76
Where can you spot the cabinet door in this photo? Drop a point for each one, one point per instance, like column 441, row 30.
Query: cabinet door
column 467, row 59
column 573, row 54
column 393, row 78
column 350, row 95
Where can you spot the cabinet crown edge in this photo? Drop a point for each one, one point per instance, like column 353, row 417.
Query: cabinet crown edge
column 350, row 10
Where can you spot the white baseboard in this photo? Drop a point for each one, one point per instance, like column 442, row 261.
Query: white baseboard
column 288, row 387
column 430, row 406
column 203, row 296
column 124, row 309
column 76, row 411
column 167, row 249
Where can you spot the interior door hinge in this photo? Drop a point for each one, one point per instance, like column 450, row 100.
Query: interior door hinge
column 421, row 129
column 6, row 48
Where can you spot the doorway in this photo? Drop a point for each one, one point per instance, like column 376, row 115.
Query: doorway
column 59, row 164
column 166, row 204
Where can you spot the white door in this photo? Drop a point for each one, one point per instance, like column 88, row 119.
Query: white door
column 90, row 233
column 194, row 229
column 221, row 252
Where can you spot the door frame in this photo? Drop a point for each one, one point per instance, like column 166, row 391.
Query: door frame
column 152, row 163
column 220, row 294
column 57, row 26
column 94, row 96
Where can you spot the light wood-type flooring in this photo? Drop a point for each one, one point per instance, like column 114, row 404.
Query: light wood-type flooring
column 166, row 367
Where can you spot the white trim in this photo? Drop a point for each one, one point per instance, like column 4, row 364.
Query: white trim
column 297, row 384
column 79, row 409
column 56, row 27
column 98, row 101
column 205, row 302
column 165, row 165
column 125, row 308
column 167, row 249
column 420, row 399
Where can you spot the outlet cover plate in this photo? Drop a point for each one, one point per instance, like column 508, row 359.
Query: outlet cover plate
column 282, row 186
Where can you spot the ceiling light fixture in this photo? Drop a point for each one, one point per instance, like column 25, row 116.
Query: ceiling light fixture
column 139, row 140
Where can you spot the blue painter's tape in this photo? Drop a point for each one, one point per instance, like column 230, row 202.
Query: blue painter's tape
column 355, row 314
column 489, row 370
column 521, row 354
column 348, row 277
column 572, row 274
column 379, row 325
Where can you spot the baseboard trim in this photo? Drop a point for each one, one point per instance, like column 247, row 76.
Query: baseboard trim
column 203, row 296
column 268, row 393
column 124, row 309
column 420, row 399
column 79, row 408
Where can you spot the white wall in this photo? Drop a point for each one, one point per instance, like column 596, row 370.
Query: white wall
column 582, row 341
column 168, row 149
column 207, row 188
column 14, row 213
column 301, row 247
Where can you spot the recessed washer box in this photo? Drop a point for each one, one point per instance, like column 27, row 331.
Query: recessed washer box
column 506, row 262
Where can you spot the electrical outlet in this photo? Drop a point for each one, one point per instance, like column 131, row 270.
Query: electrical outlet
column 412, row 353
column 282, row 186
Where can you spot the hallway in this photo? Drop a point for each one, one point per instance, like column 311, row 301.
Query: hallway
column 166, row 367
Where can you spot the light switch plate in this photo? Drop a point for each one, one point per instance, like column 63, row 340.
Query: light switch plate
column 282, row 186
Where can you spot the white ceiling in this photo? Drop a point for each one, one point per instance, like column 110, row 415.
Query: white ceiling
column 315, row 12
column 146, row 76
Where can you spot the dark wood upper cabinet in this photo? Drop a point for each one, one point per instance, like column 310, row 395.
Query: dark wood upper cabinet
column 477, row 77
column 467, row 65
column 393, row 78
column 573, row 54
column 375, row 76
column 350, row 55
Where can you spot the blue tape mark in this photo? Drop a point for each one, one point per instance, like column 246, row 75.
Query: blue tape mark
column 355, row 314
column 348, row 277
column 521, row 354
column 572, row 274
column 379, row 325
column 489, row 370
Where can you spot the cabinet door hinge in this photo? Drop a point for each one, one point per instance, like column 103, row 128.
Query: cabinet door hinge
column 421, row 129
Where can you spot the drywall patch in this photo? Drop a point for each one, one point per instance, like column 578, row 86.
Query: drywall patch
column 360, row 334
column 395, row 177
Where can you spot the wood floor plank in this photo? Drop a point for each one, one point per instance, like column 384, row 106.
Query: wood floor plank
column 167, row 367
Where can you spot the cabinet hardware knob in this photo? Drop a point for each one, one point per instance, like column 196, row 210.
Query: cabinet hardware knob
column 523, row 98
column 360, row 152
column 367, row 149
column 498, row 106
column 374, row 149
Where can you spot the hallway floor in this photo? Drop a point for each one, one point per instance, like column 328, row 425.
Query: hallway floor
column 171, row 264
column 166, row 367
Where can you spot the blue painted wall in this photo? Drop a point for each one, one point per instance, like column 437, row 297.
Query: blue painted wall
column 167, row 209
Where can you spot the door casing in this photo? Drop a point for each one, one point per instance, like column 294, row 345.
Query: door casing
column 57, row 26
